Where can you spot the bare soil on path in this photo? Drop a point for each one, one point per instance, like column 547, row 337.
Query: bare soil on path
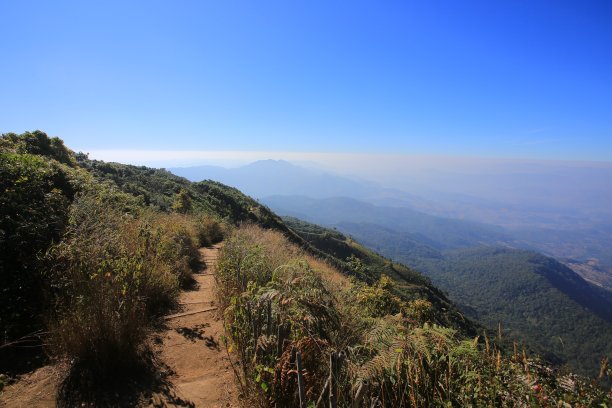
column 192, row 344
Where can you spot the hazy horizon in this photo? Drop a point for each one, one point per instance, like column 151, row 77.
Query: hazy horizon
column 407, row 172
column 336, row 161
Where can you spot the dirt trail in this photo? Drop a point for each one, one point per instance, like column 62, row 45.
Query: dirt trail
column 192, row 345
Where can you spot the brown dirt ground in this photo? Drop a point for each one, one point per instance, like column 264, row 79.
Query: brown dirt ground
column 192, row 345
column 36, row 389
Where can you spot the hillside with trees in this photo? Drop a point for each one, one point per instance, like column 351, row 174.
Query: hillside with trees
column 537, row 300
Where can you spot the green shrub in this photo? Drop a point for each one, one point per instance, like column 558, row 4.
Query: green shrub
column 209, row 231
column 377, row 300
column 34, row 197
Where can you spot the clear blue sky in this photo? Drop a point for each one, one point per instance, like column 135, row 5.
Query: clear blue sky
column 485, row 78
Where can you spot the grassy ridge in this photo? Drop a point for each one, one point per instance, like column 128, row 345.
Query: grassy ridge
column 277, row 303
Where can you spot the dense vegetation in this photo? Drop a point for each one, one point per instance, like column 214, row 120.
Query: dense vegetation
column 369, row 267
column 360, row 344
column 92, row 253
column 38, row 180
column 536, row 299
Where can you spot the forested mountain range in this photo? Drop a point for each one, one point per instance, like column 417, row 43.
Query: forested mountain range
column 555, row 209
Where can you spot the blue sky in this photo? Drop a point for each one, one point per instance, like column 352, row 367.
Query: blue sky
column 468, row 78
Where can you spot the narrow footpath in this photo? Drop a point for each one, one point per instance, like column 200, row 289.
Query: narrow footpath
column 192, row 344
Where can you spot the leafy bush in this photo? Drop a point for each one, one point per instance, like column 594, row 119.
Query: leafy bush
column 34, row 200
column 377, row 300
column 209, row 231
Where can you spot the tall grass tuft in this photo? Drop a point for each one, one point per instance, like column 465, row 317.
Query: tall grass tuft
column 208, row 230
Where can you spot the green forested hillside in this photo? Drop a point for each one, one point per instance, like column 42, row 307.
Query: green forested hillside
column 537, row 300
column 369, row 265
column 526, row 292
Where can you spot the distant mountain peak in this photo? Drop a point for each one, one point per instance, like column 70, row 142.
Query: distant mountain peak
column 271, row 163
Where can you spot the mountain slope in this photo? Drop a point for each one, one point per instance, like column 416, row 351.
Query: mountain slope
column 537, row 300
column 410, row 284
column 158, row 188
column 437, row 232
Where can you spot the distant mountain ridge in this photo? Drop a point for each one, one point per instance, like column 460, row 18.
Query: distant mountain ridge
column 438, row 232
column 269, row 177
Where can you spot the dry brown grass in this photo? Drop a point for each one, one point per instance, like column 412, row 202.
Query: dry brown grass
column 329, row 273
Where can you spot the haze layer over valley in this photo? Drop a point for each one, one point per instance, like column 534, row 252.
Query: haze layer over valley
column 558, row 208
